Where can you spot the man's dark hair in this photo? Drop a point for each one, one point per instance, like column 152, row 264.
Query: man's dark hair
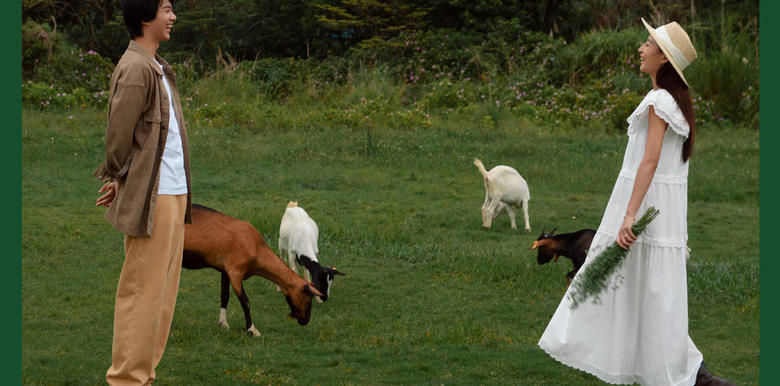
column 136, row 11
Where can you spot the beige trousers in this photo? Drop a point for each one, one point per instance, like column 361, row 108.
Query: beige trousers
column 146, row 295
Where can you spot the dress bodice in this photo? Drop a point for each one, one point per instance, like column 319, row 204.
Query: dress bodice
column 668, row 190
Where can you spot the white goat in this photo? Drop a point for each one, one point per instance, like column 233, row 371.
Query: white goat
column 298, row 240
column 504, row 187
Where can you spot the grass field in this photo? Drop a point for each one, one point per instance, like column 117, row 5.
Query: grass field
column 430, row 296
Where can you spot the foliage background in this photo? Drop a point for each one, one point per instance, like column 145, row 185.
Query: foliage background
column 557, row 59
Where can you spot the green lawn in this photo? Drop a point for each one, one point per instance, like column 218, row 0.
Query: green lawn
column 430, row 296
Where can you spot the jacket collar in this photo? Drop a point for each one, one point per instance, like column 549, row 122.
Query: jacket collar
column 138, row 48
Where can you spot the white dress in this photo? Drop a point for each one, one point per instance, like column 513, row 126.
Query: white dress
column 639, row 332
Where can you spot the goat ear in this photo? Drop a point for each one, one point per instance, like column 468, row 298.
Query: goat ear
column 337, row 272
column 552, row 231
column 311, row 290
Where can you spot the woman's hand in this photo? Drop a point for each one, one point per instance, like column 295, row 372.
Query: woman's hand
column 110, row 189
column 626, row 237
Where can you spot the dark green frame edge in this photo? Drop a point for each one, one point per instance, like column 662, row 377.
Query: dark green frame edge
column 769, row 335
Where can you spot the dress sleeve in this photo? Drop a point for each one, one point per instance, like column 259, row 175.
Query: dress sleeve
column 666, row 108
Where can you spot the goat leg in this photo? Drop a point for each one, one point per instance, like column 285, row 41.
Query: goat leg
column 224, row 298
column 525, row 216
column 491, row 212
column 511, row 214
column 250, row 327
column 244, row 299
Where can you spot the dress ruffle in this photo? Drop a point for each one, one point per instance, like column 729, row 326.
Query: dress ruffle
column 665, row 107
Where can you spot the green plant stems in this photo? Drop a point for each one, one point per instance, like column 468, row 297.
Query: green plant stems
column 595, row 279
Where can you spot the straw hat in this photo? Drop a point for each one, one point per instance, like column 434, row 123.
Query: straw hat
column 675, row 44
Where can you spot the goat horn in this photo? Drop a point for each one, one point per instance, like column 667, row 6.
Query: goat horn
column 337, row 272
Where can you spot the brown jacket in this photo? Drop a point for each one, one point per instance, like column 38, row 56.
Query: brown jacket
column 138, row 116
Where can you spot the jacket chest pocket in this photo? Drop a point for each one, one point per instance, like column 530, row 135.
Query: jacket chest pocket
column 151, row 130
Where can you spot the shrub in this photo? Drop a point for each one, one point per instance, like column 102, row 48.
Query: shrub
column 44, row 96
column 444, row 95
column 223, row 114
column 632, row 81
column 38, row 42
column 619, row 107
column 598, row 53
column 48, row 59
column 731, row 82
column 186, row 76
column 274, row 77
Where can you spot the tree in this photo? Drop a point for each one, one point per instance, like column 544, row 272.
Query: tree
column 371, row 23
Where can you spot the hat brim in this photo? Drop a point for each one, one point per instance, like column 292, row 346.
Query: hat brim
column 665, row 50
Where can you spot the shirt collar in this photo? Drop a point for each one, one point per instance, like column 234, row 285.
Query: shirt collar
column 138, row 48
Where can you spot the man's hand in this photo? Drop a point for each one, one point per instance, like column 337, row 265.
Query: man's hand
column 110, row 189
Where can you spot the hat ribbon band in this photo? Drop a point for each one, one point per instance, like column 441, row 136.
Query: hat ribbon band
column 677, row 56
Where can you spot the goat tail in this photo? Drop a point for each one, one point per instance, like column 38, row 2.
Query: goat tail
column 481, row 167
column 292, row 204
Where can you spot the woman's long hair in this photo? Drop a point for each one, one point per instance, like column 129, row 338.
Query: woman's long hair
column 668, row 79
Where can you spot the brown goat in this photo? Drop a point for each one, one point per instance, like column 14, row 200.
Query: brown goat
column 237, row 250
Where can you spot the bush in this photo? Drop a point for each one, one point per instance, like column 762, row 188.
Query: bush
column 77, row 69
column 598, row 53
column 44, row 96
column 223, row 114
column 49, row 60
column 38, row 42
column 186, row 76
column 729, row 81
column 619, row 107
column 444, row 95
column 629, row 81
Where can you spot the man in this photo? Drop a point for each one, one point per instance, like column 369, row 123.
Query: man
column 147, row 192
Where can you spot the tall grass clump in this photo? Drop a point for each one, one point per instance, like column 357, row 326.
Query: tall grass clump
column 599, row 54
column 726, row 72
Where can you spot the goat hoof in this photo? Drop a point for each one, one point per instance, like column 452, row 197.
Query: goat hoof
column 253, row 331
column 224, row 325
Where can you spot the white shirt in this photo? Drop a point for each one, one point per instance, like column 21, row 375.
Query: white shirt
column 173, row 179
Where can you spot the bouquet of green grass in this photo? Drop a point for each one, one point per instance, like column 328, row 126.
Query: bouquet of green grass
column 595, row 279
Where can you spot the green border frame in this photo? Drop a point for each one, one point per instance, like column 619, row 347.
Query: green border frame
column 11, row 159
column 769, row 334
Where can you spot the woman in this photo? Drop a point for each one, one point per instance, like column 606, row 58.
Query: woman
column 639, row 332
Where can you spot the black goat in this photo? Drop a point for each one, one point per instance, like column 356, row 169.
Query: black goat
column 573, row 245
